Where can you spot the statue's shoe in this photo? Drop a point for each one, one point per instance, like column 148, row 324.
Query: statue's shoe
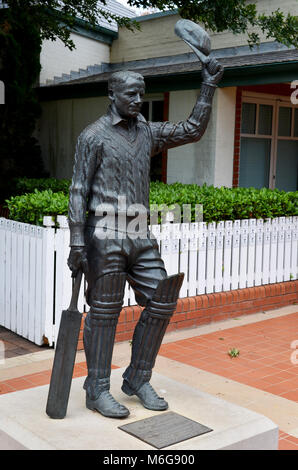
column 147, row 395
column 107, row 406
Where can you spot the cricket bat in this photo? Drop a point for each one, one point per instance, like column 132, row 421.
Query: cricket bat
column 65, row 354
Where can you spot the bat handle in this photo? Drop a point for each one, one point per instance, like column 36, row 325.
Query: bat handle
column 75, row 291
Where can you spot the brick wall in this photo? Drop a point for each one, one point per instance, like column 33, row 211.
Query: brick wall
column 236, row 165
column 209, row 308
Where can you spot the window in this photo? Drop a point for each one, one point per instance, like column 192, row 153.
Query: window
column 269, row 143
column 249, row 118
column 284, row 122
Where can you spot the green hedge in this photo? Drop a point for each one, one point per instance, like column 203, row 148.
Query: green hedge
column 32, row 207
column 218, row 203
column 227, row 203
column 29, row 185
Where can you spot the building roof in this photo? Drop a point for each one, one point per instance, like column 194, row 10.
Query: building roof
column 191, row 66
column 116, row 8
column 241, row 60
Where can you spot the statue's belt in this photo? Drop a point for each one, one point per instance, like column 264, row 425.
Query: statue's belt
column 120, row 222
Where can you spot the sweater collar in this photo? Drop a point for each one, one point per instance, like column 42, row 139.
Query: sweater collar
column 116, row 118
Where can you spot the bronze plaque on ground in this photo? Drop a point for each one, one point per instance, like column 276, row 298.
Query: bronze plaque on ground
column 165, row 429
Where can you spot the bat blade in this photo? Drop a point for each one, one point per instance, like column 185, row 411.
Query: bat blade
column 63, row 365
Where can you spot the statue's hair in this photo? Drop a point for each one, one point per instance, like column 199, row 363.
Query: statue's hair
column 119, row 78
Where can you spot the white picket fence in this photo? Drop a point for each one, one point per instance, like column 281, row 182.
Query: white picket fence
column 35, row 282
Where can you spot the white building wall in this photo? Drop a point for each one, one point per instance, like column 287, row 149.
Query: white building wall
column 225, row 131
column 57, row 59
column 190, row 163
column 59, row 127
column 210, row 160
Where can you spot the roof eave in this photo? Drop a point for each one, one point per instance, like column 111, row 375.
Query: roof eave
column 233, row 76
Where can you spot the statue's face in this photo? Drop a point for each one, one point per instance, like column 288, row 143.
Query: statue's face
column 128, row 98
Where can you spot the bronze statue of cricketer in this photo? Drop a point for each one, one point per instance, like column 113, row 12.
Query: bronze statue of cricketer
column 113, row 159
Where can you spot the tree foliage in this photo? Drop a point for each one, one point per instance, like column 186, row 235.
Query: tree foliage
column 19, row 69
column 237, row 16
column 56, row 18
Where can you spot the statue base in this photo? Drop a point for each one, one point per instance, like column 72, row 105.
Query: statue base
column 230, row 426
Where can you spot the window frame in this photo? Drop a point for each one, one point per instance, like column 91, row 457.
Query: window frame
column 149, row 99
column 277, row 102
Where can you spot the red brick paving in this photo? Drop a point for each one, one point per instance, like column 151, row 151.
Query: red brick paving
column 287, row 442
column 264, row 360
column 38, row 379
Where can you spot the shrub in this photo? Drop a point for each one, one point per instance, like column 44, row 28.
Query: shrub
column 227, row 203
column 218, row 203
column 29, row 185
column 32, row 207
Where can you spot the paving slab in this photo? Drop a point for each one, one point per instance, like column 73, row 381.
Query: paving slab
column 9, row 443
column 23, row 418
